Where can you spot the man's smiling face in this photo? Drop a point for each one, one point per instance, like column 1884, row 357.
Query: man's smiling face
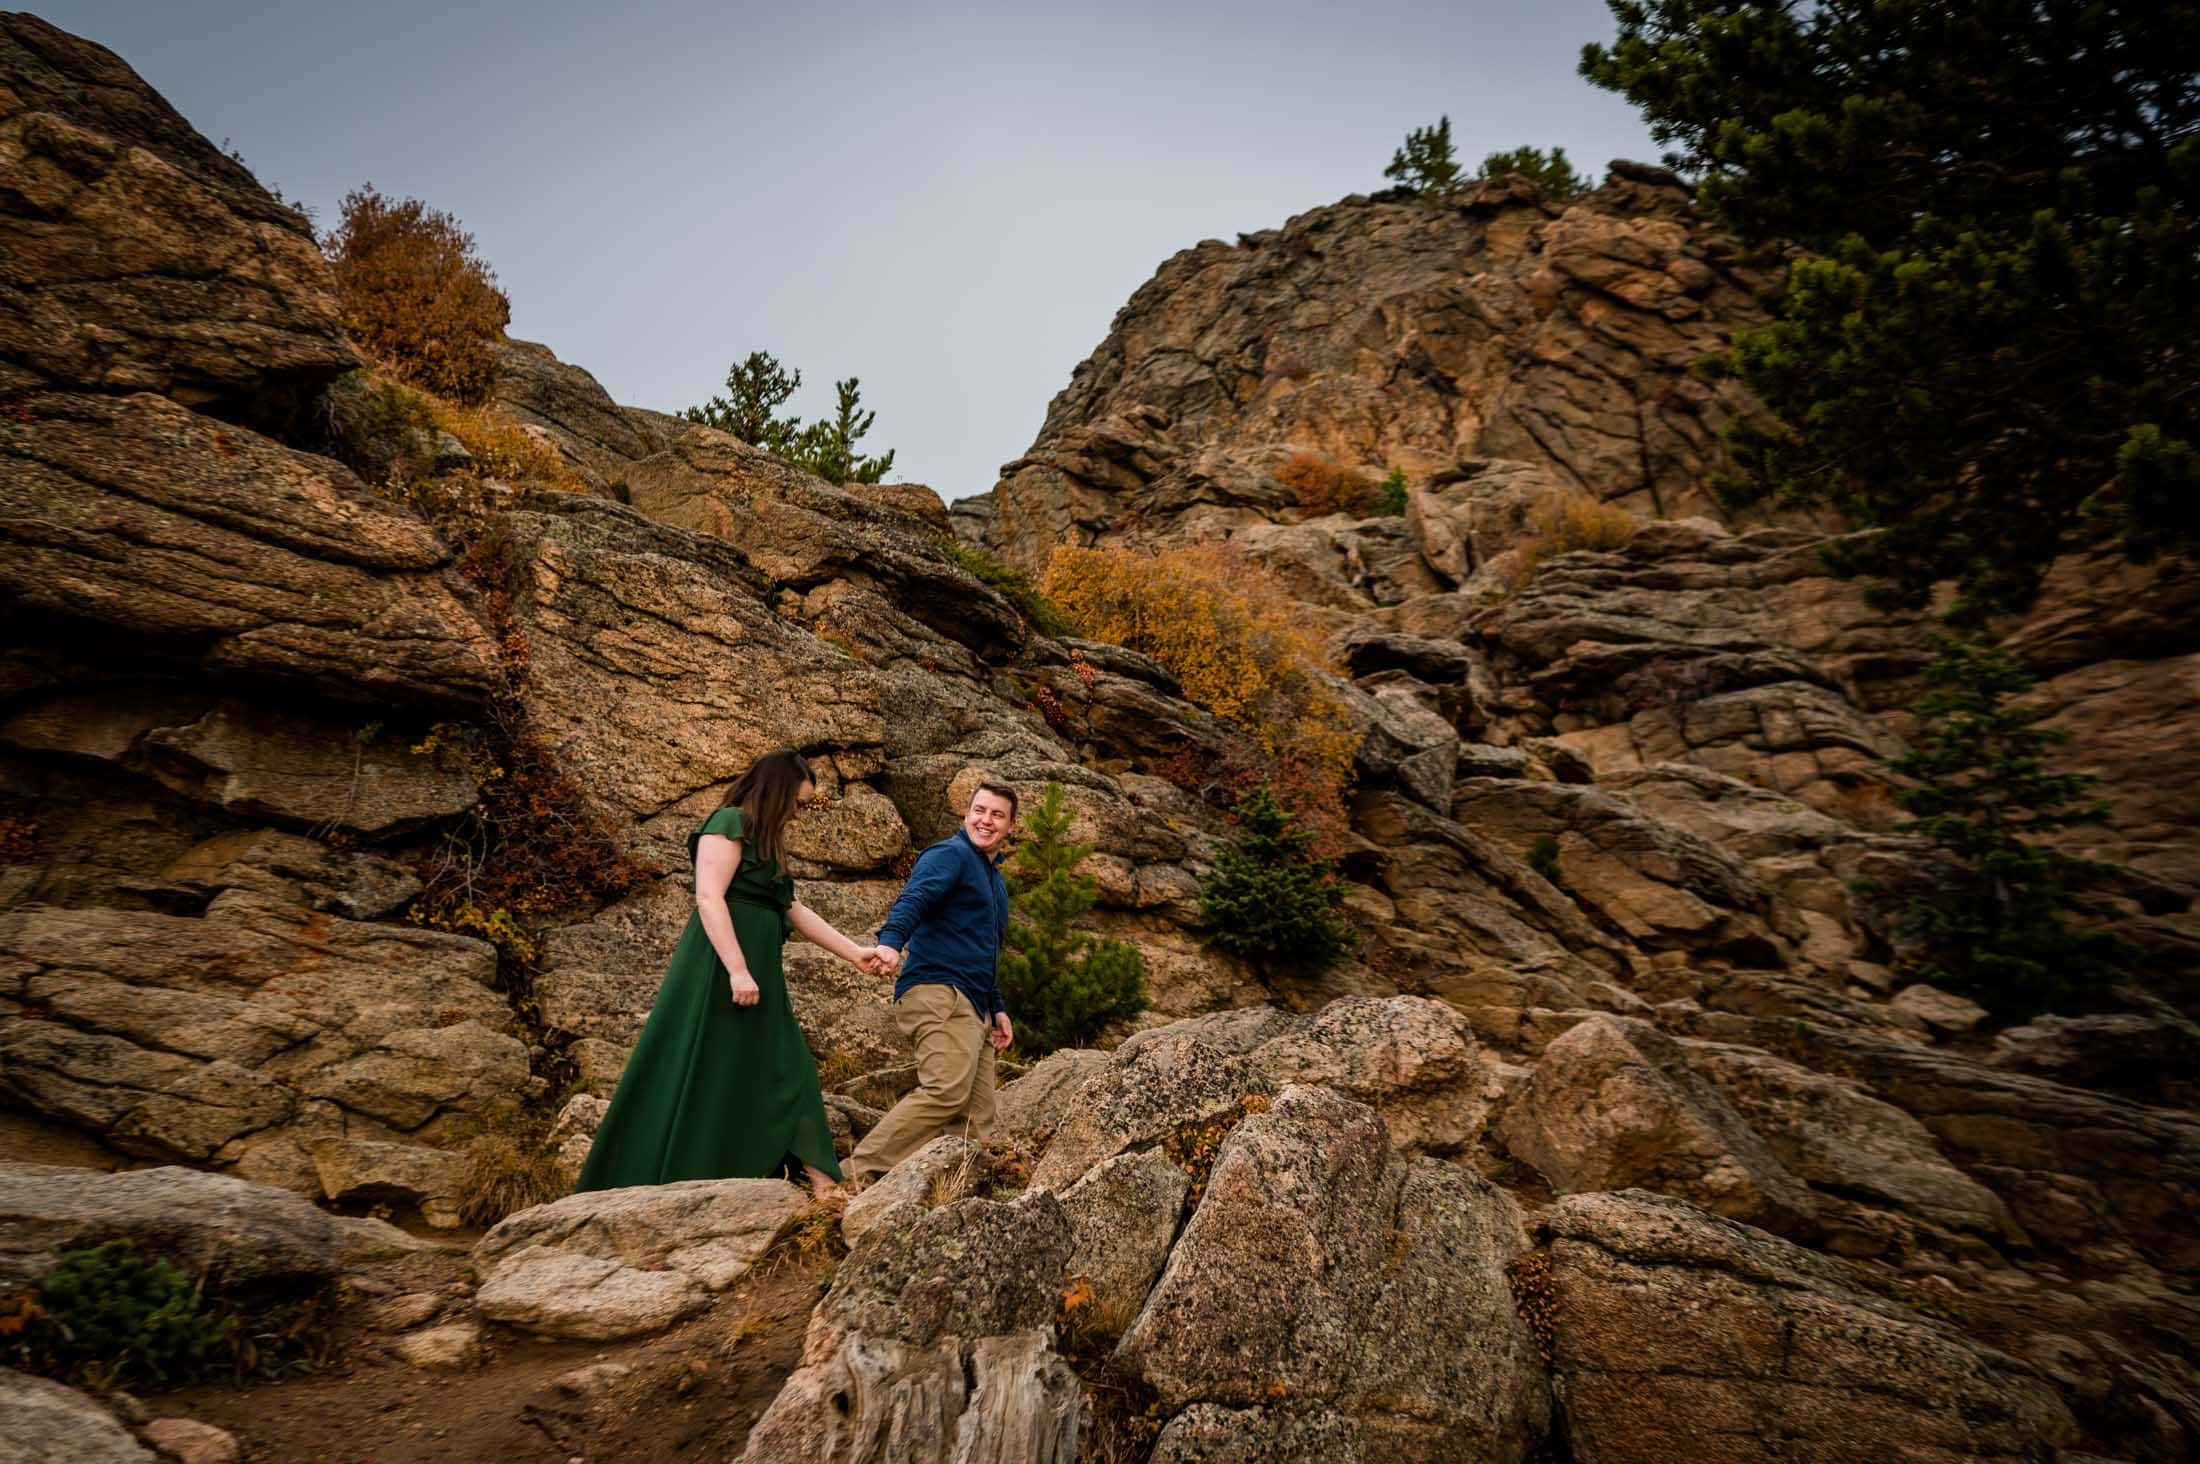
column 989, row 819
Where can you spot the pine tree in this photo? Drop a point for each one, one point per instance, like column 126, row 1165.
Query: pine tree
column 1550, row 172
column 828, row 449
column 1062, row 986
column 1989, row 341
column 1270, row 898
column 755, row 391
column 1994, row 921
column 1426, row 164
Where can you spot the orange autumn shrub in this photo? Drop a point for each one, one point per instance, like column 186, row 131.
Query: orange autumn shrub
column 414, row 296
column 1234, row 639
column 1322, row 485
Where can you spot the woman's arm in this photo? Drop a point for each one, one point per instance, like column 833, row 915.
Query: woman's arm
column 716, row 860
column 818, row 931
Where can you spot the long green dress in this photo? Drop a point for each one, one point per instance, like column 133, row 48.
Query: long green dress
column 716, row 1091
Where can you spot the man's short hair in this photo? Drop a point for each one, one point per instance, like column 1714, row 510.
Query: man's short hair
column 998, row 790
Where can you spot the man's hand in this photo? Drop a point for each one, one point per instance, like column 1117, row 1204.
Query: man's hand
column 888, row 961
column 745, row 992
column 1003, row 1033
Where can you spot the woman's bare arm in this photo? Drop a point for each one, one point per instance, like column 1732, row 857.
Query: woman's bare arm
column 717, row 859
column 818, row 931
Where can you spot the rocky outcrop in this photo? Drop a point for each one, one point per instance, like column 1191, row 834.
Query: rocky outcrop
column 1141, row 1097
column 224, row 1231
column 132, row 513
column 922, row 1352
column 1387, row 330
column 50, row 1424
column 140, row 257
column 1784, row 1355
column 614, row 1263
column 1325, row 1281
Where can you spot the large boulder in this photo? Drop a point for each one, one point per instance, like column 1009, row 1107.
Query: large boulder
column 1613, row 1104
column 614, row 1263
column 139, row 256
column 49, row 1424
column 1123, row 1218
column 1322, row 1269
column 1780, row 1355
column 934, row 1343
column 243, row 1035
column 225, row 1230
column 133, row 514
column 1144, row 1094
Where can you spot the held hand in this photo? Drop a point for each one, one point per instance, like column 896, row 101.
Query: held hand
column 1003, row 1033
column 888, row 960
column 745, row 992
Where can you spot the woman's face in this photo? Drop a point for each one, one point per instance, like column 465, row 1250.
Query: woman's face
column 805, row 797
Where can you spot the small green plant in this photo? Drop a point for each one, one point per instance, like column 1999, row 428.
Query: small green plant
column 1542, row 857
column 1270, row 898
column 1552, row 175
column 110, row 1316
column 1994, row 920
column 1061, row 985
column 1018, row 588
column 1389, row 499
column 757, row 387
column 1427, row 163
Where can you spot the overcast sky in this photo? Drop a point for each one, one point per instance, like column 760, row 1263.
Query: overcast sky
column 950, row 205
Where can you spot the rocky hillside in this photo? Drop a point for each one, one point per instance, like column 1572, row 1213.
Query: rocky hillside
column 1657, row 1155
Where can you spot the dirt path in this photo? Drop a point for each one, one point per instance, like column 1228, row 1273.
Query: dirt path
column 691, row 1392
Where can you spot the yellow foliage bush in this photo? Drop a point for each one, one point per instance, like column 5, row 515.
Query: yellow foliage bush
column 1229, row 632
column 1563, row 522
column 1323, row 485
column 502, row 448
column 414, row 296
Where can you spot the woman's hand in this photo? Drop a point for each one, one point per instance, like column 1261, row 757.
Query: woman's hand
column 745, row 990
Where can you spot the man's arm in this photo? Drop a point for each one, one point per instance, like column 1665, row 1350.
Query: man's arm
column 929, row 880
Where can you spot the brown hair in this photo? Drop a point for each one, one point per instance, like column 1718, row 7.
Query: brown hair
column 998, row 790
column 765, row 794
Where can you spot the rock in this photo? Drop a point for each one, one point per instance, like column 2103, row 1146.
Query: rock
column 1782, row 1355
column 940, row 1173
column 355, row 1171
column 1613, row 1104
column 574, row 1134
column 1032, row 1107
column 251, row 762
column 1208, row 1434
column 192, row 1442
column 1139, row 1098
column 211, row 291
column 322, row 585
column 1566, row 334
column 595, row 435
column 668, row 630
column 364, row 1240
column 1937, row 1011
column 446, row 1348
column 917, row 1354
column 1413, row 1060
column 177, row 1037
column 405, row 1312
column 1664, row 889
column 595, row 1378
column 2150, row 1057
column 50, row 1424
column 1852, row 1149
column 1123, row 1216
column 355, row 885
column 613, row 1263
column 1467, row 515
column 230, row 1232
column 1322, row 1269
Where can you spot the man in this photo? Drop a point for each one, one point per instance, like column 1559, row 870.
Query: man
column 942, row 940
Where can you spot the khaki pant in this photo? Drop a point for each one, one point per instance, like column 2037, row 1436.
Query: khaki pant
column 954, row 1092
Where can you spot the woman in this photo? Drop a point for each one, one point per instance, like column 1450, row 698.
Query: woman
column 721, row 1084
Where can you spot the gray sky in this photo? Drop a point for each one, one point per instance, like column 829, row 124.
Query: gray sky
column 951, row 206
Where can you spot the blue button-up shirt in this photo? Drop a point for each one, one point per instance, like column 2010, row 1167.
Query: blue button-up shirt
column 949, row 923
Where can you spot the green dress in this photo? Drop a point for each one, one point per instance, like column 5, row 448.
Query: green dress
column 716, row 1091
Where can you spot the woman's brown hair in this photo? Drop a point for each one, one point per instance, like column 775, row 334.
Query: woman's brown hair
column 766, row 796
